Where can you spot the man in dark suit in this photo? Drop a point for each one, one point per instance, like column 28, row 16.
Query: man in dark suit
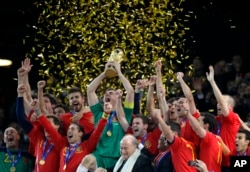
column 132, row 160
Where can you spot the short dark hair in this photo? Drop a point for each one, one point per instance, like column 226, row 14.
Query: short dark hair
column 17, row 127
column 56, row 121
column 174, row 127
column 65, row 107
column 51, row 98
column 210, row 119
column 246, row 132
column 85, row 136
column 75, row 89
column 144, row 119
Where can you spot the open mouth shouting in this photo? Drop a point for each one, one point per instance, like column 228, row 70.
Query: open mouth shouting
column 76, row 106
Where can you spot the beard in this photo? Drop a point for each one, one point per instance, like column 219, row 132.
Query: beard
column 77, row 108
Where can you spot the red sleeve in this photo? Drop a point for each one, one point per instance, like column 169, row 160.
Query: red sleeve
column 58, row 140
column 95, row 136
column 35, row 135
column 66, row 121
column 156, row 133
column 87, row 121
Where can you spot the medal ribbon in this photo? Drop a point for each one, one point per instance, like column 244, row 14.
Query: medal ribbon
column 144, row 138
column 13, row 160
column 46, row 153
column 69, row 153
column 109, row 123
column 244, row 154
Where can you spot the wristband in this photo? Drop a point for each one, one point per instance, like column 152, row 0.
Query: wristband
column 38, row 112
column 105, row 115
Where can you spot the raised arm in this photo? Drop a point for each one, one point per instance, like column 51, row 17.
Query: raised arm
column 26, row 66
column 140, row 85
column 164, row 127
column 158, row 67
column 187, row 92
column 150, row 102
column 163, row 103
column 92, row 87
column 22, row 78
column 125, row 82
column 120, row 112
column 198, row 129
column 42, row 106
column 20, row 113
column 243, row 125
column 217, row 93
column 160, row 90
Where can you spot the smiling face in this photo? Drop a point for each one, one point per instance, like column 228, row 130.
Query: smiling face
column 11, row 138
column 127, row 147
column 76, row 101
column 74, row 134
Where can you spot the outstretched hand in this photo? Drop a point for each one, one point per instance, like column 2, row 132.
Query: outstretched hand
column 179, row 75
column 119, row 93
column 201, row 166
column 141, row 84
column 210, row 75
column 152, row 80
column 26, row 65
column 158, row 66
column 41, row 84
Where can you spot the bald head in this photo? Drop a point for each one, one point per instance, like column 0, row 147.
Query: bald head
column 130, row 139
column 128, row 145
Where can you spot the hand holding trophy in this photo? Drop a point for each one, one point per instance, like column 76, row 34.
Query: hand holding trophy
column 117, row 55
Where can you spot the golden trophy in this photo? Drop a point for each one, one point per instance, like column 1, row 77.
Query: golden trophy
column 116, row 55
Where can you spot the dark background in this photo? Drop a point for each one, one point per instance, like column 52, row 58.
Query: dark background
column 211, row 28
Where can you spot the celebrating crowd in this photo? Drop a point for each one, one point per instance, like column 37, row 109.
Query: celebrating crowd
column 115, row 133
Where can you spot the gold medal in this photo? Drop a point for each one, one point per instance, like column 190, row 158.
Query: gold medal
column 64, row 167
column 12, row 169
column 109, row 133
column 41, row 162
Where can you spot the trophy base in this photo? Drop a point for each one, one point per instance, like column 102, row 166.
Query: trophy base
column 110, row 72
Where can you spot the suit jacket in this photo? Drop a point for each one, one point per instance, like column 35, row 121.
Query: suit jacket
column 143, row 164
column 165, row 164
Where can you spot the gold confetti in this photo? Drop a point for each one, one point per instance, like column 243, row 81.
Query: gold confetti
column 75, row 38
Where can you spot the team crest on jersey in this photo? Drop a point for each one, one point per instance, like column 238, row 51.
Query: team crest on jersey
column 147, row 144
column 78, row 150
